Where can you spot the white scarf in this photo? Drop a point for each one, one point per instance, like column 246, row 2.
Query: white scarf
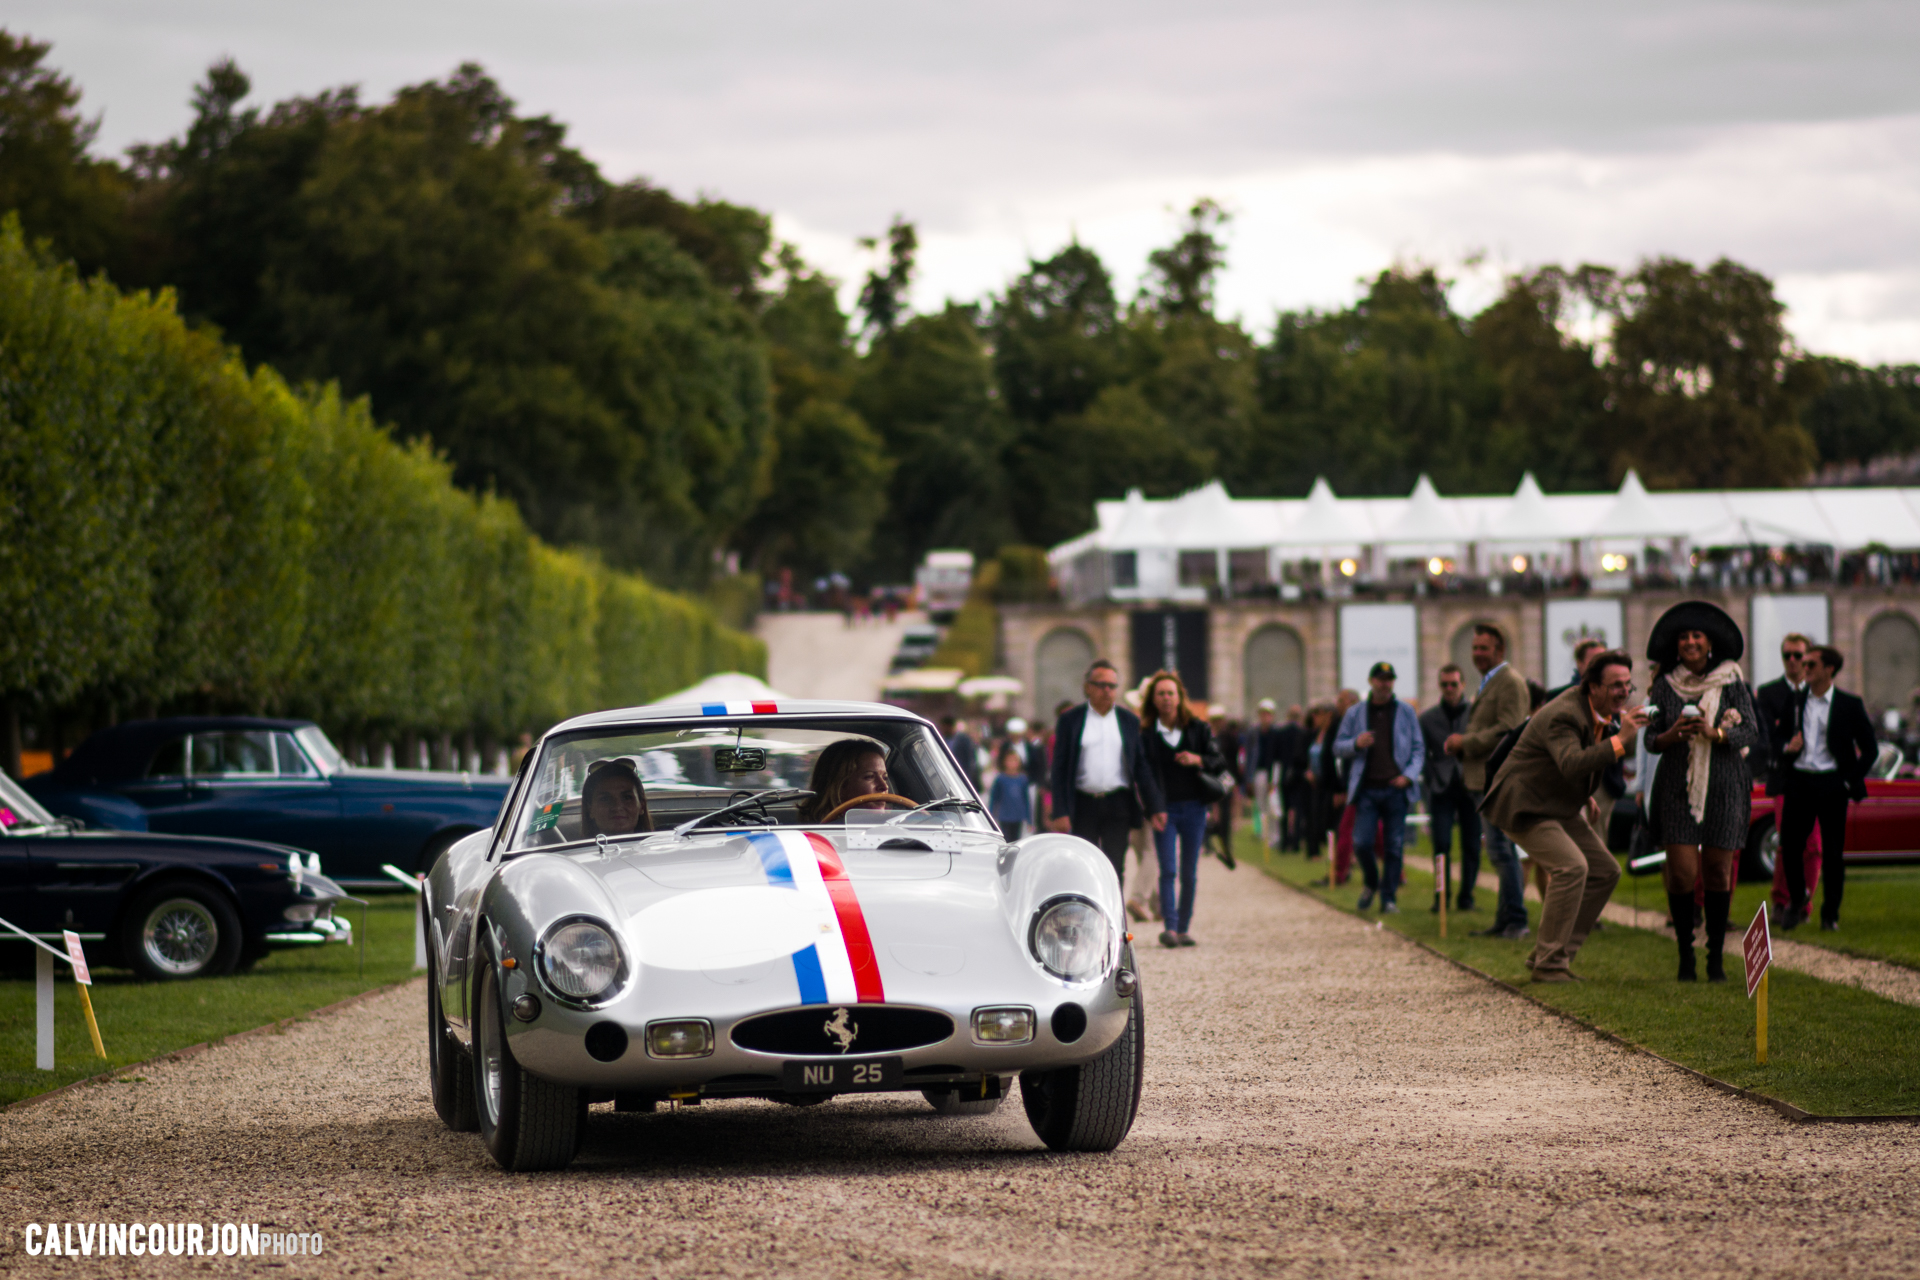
column 1704, row 692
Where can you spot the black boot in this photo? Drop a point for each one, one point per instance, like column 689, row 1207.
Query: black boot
column 1680, row 905
column 1718, row 905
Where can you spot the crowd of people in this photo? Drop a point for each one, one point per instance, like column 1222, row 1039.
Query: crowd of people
column 1530, row 775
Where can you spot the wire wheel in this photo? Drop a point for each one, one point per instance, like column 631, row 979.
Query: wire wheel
column 180, row 937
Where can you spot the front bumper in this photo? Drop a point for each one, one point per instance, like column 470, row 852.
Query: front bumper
column 554, row 1045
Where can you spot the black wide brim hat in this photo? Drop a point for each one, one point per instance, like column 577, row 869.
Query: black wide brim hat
column 1663, row 646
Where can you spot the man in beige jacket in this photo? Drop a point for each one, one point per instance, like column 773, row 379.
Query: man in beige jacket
column 1542, row 799
column 1502, row 704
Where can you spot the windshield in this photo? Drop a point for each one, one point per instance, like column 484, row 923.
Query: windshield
column 18, row 809
column 656, row 776
column 320, row 748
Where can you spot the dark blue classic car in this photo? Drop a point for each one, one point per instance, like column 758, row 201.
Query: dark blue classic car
column 164, row 906
column 274, row 780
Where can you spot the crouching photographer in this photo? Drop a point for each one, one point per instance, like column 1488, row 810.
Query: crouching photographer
column 1541, row 794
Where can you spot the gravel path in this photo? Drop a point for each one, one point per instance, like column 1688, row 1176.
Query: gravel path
column 1322, row 1100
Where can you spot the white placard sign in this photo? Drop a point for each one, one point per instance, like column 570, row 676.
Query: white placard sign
column 1571, row 621
column 1371, row 633
column 1773, row 618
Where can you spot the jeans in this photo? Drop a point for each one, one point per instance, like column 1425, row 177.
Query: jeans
column 1456, row 803
column 1376, row 808
column 1511, row 913
column 1179, row 849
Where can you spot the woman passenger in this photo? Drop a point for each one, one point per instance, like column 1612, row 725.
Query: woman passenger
column 613, row 802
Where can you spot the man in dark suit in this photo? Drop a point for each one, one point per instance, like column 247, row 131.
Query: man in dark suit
column 1103, row 786
column 1279, row 748
column 1827, row 760
column 1778, row 702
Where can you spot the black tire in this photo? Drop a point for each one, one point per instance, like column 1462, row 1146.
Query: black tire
column 449, row 1065
column 177, row 931
column 1090, row 1107
column 1762, row 851
column 948, row 1102
column 527, row 1123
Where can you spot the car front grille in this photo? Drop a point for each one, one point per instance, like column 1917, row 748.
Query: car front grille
column 821, row 1031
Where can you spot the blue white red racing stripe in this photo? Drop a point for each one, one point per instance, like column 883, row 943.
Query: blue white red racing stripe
column 739, row 708
column 841, row 968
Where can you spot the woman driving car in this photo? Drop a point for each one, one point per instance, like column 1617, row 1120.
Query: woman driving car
column 846, row 770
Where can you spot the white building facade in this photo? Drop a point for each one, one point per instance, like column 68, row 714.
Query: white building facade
column 1295, row 598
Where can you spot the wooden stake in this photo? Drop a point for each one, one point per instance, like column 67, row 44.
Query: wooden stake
column 1440, row 878
column 1760, row 1012
column 93, row 1028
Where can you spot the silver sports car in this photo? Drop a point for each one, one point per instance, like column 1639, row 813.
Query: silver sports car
column 785, row 901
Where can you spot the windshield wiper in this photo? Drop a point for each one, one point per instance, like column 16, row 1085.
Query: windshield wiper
column 943, row 802
column 758, row 800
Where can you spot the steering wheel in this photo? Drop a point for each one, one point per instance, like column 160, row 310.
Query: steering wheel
column 889, row 796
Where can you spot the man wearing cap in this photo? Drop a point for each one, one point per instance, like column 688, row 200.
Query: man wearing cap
column 1381, row 736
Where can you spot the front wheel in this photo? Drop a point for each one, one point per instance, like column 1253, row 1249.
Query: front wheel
column 1090, row 1107
column 526, row 1122
column 449, row 1066
column 1762, row 853
column 177, row 931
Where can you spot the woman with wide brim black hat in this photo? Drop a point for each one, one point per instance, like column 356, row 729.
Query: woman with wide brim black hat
column 1703, row 786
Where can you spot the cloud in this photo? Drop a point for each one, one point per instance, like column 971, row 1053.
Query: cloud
column 1344, row 136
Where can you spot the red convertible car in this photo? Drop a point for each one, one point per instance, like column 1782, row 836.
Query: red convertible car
column 1885, row 827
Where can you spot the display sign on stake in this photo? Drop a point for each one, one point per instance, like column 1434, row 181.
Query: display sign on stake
column 1757, row 947
column 82, row 979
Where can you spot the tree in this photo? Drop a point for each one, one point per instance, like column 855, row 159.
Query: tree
column 830, row 471
column 883, row 298
column 1552, row 412
column 61, row 193
column 1707, row 389
column 1861, row 414
column 476, row 277
column 1180, row 277
column 1373, row 396
column 927, row 389
column 1057, row 337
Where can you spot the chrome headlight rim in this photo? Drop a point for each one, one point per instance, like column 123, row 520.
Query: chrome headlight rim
column 1040, row 914
column 542, row 953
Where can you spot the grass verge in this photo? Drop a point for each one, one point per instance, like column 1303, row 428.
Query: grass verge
column 142, row 1020
column 1879, row 916
column 1833, row 1050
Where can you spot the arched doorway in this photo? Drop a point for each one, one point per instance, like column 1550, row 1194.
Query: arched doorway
column 1275, row 667
column 1460, row 654
column 1891, row 663
column 1059, row 669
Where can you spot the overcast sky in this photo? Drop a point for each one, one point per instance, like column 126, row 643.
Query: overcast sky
column 1341, row 135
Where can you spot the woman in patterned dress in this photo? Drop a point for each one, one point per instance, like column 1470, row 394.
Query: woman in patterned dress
column 1702, row 787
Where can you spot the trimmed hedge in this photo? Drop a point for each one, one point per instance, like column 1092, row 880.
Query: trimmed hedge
column 176, row 531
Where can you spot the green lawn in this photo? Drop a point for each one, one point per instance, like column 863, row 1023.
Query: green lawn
column 1833, row 1050
column 1879, row 916
column 141, row 1020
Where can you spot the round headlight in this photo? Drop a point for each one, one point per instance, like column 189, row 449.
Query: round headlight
column 580, row 960
column 1071, row 938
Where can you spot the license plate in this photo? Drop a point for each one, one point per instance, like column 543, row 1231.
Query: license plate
column 843, row 1076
